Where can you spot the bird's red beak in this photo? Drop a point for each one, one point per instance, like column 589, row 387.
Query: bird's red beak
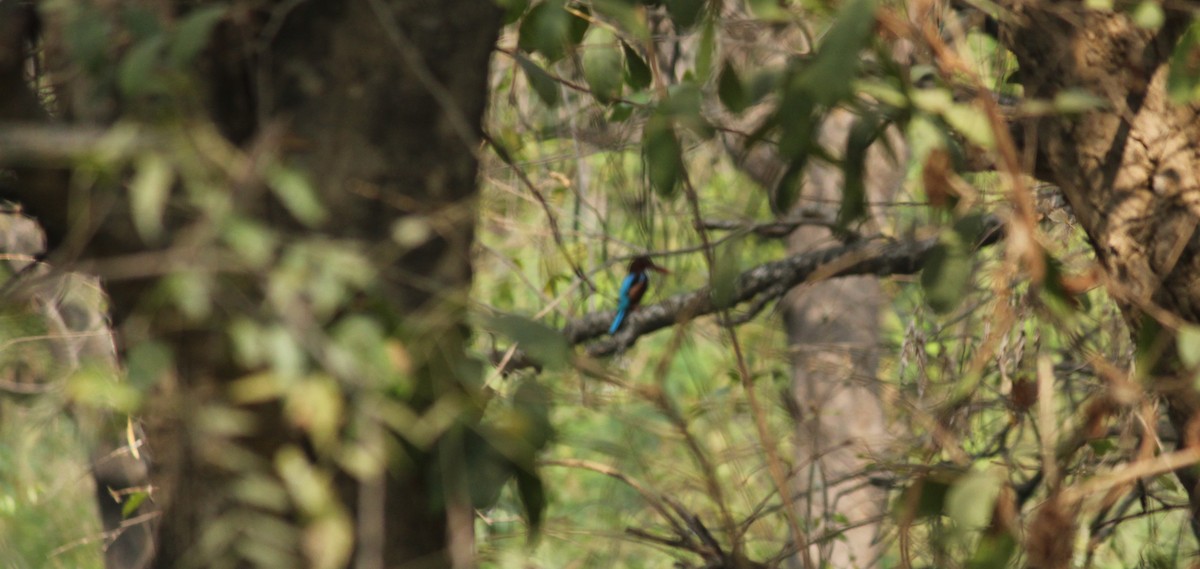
column 659, row 269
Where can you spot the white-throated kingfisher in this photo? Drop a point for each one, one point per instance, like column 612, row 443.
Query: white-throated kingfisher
column 633, row 288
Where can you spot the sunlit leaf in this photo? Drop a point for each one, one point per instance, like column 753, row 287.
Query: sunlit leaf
column 542, row 343
column 1071, row 101
column 1188, row 342
column 254, row 242
column 602, row 68
column 307, row 485
column 191, row 292
column 148, row 193
column 972, row 498
column 132, row 502
column 297, row 195
column 315, row 405
column 1149, row 15
column 99, row 386
column 329, row 540
column 972, row 122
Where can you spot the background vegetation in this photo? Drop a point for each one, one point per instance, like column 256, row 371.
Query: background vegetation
column 1024, row 427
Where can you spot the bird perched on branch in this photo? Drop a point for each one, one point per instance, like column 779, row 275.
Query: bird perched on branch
column 632, row 289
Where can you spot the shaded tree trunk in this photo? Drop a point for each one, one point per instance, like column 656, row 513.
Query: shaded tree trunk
column 380, row 102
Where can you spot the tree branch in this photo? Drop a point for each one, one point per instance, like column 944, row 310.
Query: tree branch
column 755, row 286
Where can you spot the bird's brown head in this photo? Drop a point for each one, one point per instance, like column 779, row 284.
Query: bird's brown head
column 643, row 263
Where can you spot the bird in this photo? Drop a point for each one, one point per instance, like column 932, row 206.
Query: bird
column 632, row 289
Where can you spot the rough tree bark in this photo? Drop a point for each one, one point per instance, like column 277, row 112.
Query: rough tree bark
column 380, row 101
column 1129, row 171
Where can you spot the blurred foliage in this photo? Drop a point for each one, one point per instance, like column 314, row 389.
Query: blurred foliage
column 610, row 113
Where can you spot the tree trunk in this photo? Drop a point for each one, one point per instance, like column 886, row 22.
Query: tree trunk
column 380, row 102
column 1129, row 171
column 833, row 337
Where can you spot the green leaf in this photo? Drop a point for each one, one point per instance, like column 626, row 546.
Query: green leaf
column 254, row 242
column 663, row 155
column 513, row 9
column 787, row 191
column 544, row 30
column 1188, row 343
column 532, row 492
column 543, row 84
column 602, row 67
column 1149, row 15
column 315, row 405
column 1072, row 101
column 146, row 363
column 725, row 273
column 707, row 51
column 796, row 119
column 1183, row 80
column 972, row 499
column 834, row 68
column 993, row 552
column 731, row 90
column 577, row 23
column 191, row 292
column 629, row 17
column 1149, row 345
column 132, row 502
column 542, row 343
column 637, row 72
column 488, row 470
column 296, row 194
column 854, row 196
column 137, row 72
column 534, row 401
column 946, row 274
column 193, row 33
column 972, row 122
column 926, row 496
column 148, row 193
column 684, row 13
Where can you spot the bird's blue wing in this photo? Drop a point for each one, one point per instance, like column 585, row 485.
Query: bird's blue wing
column 622, row 303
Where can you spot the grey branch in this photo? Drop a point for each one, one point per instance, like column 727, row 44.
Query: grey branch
column 756, row 287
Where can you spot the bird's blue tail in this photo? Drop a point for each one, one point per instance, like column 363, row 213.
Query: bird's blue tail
column 616, row 325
